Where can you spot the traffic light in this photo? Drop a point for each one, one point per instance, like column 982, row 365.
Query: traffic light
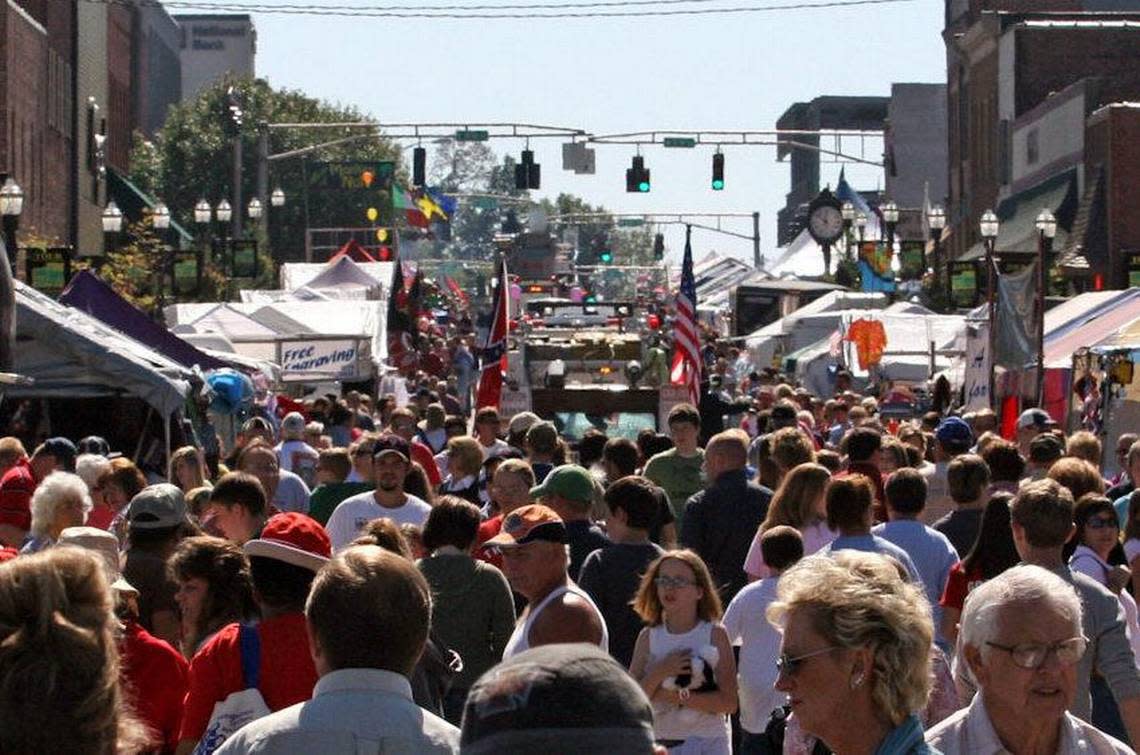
column 233, row 116
column 419, row 166
column 659, row 247
column 386, row 254
column 718, row 172
column 606, row 257
column 527, row 172
column 637, row 176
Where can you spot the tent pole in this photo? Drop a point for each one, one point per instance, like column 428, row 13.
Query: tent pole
column 166, row 427
column 142, row 435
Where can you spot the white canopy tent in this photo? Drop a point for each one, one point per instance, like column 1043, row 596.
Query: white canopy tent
column 908, row 355
column 815, row 320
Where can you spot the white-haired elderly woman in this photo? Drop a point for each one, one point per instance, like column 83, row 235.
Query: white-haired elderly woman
column 1022, row 638
column 61, row 500
column 91, row 467
column 855, row 661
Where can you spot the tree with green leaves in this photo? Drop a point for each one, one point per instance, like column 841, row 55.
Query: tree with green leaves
column 191, row 158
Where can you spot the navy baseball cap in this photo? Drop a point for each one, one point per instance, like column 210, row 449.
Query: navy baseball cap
column 954, row 430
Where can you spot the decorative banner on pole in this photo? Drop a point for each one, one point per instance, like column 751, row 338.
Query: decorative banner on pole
column 977, row 373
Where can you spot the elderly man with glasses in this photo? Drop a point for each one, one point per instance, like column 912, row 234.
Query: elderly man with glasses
column 1022, row 638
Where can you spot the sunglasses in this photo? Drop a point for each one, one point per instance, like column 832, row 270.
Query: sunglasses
column 1032, row 656
column 790, row 666
column 1102, row 522
column 674, row 582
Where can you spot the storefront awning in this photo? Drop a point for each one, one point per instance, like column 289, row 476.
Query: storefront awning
column 1017, row 233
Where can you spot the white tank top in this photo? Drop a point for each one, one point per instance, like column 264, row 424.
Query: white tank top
column 520, row 638
column 671, row 722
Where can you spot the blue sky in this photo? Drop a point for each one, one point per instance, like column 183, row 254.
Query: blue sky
column 734, row 71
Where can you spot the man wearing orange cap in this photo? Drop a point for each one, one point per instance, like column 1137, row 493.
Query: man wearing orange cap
column 535, row 560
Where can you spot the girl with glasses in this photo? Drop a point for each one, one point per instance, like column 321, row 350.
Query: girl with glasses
column 683, row 659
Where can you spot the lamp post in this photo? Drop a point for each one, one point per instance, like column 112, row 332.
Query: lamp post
column 848, row 213
column 936, row 219
column 160, row 219
column 277, row 198
column 11, row 205
column 1046, row 226
column 112, row 225
column 890, row 212
column 860, row 229
column 224, row 214
column 276, row 202
column 989, row 228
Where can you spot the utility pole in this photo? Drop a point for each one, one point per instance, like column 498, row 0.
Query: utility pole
column 239, row 208
column 756, row 259
column 263, row 176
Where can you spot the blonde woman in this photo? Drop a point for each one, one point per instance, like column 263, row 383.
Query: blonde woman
column 59, row 661
column 856, row 656
column 465, row 460
column 798, row 503
column 188, row 469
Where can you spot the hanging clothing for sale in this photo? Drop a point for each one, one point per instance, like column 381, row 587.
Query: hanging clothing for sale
column 870, row 339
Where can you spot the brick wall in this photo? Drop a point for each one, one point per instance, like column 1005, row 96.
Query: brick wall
column 120, row 120
column 1048, row 60
column 1112, row 141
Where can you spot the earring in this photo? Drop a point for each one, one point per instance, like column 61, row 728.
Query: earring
column 856, row 681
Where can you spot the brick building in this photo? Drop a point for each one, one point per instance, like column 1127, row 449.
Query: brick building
column 1004, row 59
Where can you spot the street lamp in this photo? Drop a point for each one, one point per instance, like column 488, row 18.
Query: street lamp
column 861, row 227
column 848, row 213
column 1046, row 226
column 11, row 205
column 112, row 218
column 936, row 219
column 277, row 198
column 160, row 217
column 202, row 212
column 254, row 209
column 989, row 226
column 224, row 212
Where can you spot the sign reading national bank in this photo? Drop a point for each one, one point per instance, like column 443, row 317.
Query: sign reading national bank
column 212, row 36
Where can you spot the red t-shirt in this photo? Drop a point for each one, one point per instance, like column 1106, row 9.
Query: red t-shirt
column 101, row 517
column 423, row 455
column 958, row 586
column 154, row 675
column 488, row 530
column 287, row 671
column 16, row 488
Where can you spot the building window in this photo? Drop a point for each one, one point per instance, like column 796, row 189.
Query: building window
column 1032, row 150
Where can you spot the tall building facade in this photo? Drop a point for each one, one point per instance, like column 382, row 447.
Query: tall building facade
column 214, row 46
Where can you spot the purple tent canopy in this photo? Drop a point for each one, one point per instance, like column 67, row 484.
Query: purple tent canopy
column 88, row 293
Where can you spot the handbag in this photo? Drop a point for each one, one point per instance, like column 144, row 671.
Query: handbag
column 243, row 706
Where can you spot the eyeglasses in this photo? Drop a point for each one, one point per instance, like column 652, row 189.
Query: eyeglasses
column 789, row 666
column 1032, row 656
column 1102, row 522
column 674, row 582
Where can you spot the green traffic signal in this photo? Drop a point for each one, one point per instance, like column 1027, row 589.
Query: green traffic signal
column 643, row 186
column 718, row 172
column 718, row 185
column 606, row 257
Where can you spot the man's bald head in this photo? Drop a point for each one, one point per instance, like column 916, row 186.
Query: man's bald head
column 730, row 450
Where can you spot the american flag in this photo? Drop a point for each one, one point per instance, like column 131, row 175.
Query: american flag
column 687, row 346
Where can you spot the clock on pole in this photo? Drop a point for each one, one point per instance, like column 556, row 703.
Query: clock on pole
column 825, row 223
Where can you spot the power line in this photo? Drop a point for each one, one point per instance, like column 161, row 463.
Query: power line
column 432, row 12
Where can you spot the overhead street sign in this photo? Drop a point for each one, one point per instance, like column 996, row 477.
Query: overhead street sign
column 630, row 222
column 684, row 142
column 466, row 135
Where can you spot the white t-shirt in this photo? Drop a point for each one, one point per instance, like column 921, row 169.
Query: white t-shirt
column 298, row 457
column 759, row 641
column 354, row 512
column 292, row 493
column 498, row 447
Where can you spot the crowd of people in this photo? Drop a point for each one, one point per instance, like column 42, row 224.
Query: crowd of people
column 771, row 573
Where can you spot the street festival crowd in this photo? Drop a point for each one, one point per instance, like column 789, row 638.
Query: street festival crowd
column 773, row 572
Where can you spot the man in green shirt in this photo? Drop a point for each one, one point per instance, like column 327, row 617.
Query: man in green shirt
column 678, row 470
column 332, row 470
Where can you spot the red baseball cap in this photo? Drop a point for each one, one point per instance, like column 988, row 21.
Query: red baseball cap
column 294, row 538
